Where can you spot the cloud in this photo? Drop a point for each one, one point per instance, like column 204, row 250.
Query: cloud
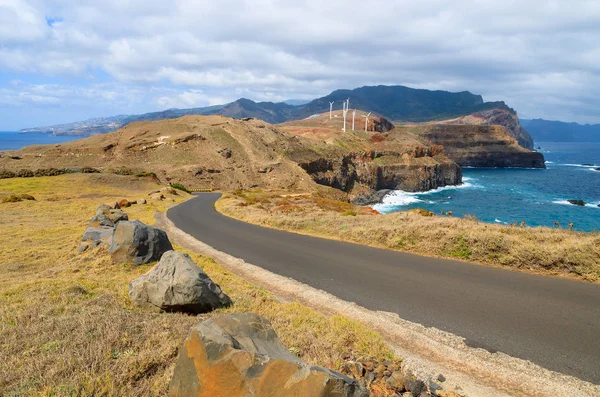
column 540, row 56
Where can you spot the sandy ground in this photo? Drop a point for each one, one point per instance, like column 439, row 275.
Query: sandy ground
column 439, row 357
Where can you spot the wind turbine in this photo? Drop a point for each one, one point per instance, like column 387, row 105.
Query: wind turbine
column 353, row 116
column 345, row 112
column 367, row 120
column 331, row 109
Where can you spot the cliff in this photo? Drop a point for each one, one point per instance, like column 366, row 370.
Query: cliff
column 203, row 151
column 503, row 116
column 483, row 146
column 361, row 163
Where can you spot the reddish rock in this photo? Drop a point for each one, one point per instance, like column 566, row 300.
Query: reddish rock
column 240, row 355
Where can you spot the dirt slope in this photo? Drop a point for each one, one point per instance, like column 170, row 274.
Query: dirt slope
column 204, row 151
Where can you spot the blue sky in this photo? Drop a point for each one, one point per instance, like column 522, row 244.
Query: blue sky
column 63, row 61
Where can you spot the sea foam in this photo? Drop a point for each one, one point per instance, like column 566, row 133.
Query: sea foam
column 400, row 198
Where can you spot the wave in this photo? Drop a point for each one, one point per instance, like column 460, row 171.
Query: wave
column 549, row 162
column 401, row 198
column 579, row 165
column 565, row 202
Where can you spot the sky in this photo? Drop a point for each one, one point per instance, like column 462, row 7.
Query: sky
column 64, row 61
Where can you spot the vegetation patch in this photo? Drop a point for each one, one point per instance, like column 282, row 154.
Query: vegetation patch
column 14, row 198
column 179, row 186
column 539, row 250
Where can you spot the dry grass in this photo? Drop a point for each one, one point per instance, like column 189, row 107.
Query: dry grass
column 67, row 327
column 538, row 250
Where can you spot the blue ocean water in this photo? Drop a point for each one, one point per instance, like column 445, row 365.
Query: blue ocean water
column 534, row 196
column 15, row 140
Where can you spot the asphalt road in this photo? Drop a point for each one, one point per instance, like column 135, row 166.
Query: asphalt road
column 553, row 322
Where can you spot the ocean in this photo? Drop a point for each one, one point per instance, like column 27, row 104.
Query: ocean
column 537, row 197
column 15, row 140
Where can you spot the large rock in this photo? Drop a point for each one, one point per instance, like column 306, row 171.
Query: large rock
column 137, row 243
column 107, row 216
column 240, row 355
column 177, row 284
column 96, row 236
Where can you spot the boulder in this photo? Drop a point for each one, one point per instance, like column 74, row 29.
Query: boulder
column 157, row 197
column 96, row 236
column 580, row 203
column 141, row 201
column 137, row 243
column 107, row 216
column 124, row 203
column 395, row 381
column 177, row 284
column 241, row 355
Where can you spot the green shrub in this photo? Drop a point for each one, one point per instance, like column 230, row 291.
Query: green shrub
column 461, row 248
column 180, row 187
column 89, row 170
column 4, row 174
column 25, row 173
column 141, row 174
column 349, row 213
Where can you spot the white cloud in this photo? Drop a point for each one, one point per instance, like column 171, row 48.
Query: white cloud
column 540, row 56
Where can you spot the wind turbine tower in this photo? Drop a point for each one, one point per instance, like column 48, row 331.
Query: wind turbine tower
column 331, row 109
column 367, row 121
column 353, row 116
column 345, row 112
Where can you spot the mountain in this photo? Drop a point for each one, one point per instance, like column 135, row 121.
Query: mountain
column 402, row 103
column 394, row 102
column 558, row 131
column 94, row 126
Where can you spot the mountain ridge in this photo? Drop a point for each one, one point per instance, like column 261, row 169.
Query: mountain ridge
column 560, row 131
column 394, row 102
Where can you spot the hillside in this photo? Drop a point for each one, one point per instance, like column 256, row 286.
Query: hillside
column 481, row 146
column 558, row 131
column 394, row 102
column 504, row 117
column 203, row 151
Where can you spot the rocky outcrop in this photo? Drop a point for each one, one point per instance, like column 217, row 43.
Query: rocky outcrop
column 107, row 216
column 137, row 243
column 482, row 146
column 101, row 227
column 420, row 170
column 240, row 355
column 502, row 116
column 177, row 284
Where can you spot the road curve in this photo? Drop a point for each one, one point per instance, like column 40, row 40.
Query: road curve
column 553, row 322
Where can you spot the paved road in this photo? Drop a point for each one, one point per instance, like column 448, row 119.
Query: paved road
column 552, row 322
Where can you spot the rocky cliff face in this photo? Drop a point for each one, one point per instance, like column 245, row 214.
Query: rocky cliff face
column 482, row 146
column 385, row 170
column 502, row 116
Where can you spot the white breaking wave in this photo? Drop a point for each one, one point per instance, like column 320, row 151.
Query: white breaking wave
column 402, row 198
column 579, row 165
column 549, row 162
column 565, row 202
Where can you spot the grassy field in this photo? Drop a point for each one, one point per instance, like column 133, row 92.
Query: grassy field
column 67, row 327
column 542, row 250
